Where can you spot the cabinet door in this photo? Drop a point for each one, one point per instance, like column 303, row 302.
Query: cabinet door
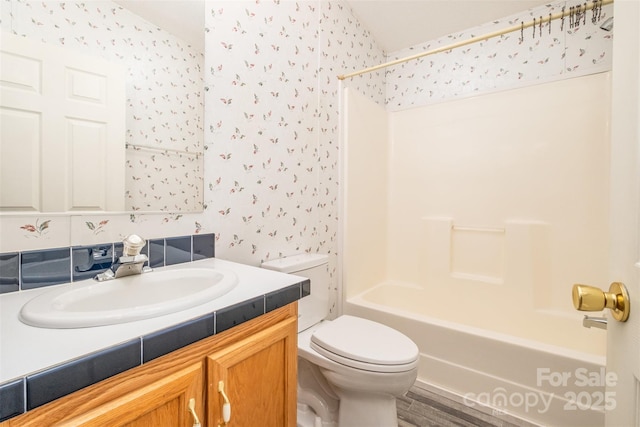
column 161, row 403
column 259, row 377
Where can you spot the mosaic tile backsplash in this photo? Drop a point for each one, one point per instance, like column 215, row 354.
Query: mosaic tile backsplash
column 35, row 269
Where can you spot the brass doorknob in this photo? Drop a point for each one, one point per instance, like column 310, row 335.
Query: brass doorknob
column 590, row 298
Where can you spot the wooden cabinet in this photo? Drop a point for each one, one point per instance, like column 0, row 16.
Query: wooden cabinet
column 160, row 403
column 259, row 379
column 256, row 360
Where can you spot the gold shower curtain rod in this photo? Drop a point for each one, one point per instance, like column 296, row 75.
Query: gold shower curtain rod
column 519, row 27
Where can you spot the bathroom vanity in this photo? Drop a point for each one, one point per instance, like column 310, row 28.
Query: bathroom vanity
column 256, row 362
column 250, row 364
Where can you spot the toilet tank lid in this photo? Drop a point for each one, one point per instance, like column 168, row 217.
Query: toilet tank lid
column 294, row 263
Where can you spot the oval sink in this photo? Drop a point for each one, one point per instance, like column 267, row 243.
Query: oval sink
column 127, row 299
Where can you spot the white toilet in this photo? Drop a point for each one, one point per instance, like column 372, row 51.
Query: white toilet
column 350, row 370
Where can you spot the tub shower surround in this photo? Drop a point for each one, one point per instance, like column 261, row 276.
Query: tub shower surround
column 490, row 228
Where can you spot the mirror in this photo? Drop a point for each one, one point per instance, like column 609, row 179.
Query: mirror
column 162, row 138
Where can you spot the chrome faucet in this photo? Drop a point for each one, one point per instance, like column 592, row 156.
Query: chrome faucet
column 131, row 262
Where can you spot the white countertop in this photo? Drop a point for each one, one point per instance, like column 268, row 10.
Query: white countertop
column 26, row 349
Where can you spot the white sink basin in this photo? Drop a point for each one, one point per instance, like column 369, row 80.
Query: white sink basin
column 127, row 299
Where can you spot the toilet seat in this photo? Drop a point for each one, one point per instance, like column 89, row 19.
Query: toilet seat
column 364, row 344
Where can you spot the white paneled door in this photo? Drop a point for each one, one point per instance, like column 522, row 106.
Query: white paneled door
column 62, row 145
column 623, row 339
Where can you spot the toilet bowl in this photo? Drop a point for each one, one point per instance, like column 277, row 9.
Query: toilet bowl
column 350, row 370
column 366, row 390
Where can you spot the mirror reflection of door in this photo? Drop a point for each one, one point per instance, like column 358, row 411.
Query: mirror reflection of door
column 164, row 89
column 62, row 146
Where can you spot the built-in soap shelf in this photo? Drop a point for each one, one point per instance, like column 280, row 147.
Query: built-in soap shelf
column 493, row 255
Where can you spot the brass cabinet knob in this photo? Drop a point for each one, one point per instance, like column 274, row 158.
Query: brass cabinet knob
column 590, row 298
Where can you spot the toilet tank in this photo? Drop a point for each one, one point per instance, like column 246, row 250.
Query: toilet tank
column 315, row 267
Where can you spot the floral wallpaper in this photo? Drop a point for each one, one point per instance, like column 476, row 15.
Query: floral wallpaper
column 272, row 120
column 164, row 111
column 569, row 47
column 273, row 140
column 271, row 145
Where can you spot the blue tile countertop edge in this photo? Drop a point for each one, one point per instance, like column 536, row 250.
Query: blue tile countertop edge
column 24, row 394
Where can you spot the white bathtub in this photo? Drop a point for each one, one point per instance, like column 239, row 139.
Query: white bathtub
column 542, row 383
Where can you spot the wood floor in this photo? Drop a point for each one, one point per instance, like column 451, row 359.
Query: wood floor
column 420, row 407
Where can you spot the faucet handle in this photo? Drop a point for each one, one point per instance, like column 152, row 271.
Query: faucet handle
column 133, row 244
